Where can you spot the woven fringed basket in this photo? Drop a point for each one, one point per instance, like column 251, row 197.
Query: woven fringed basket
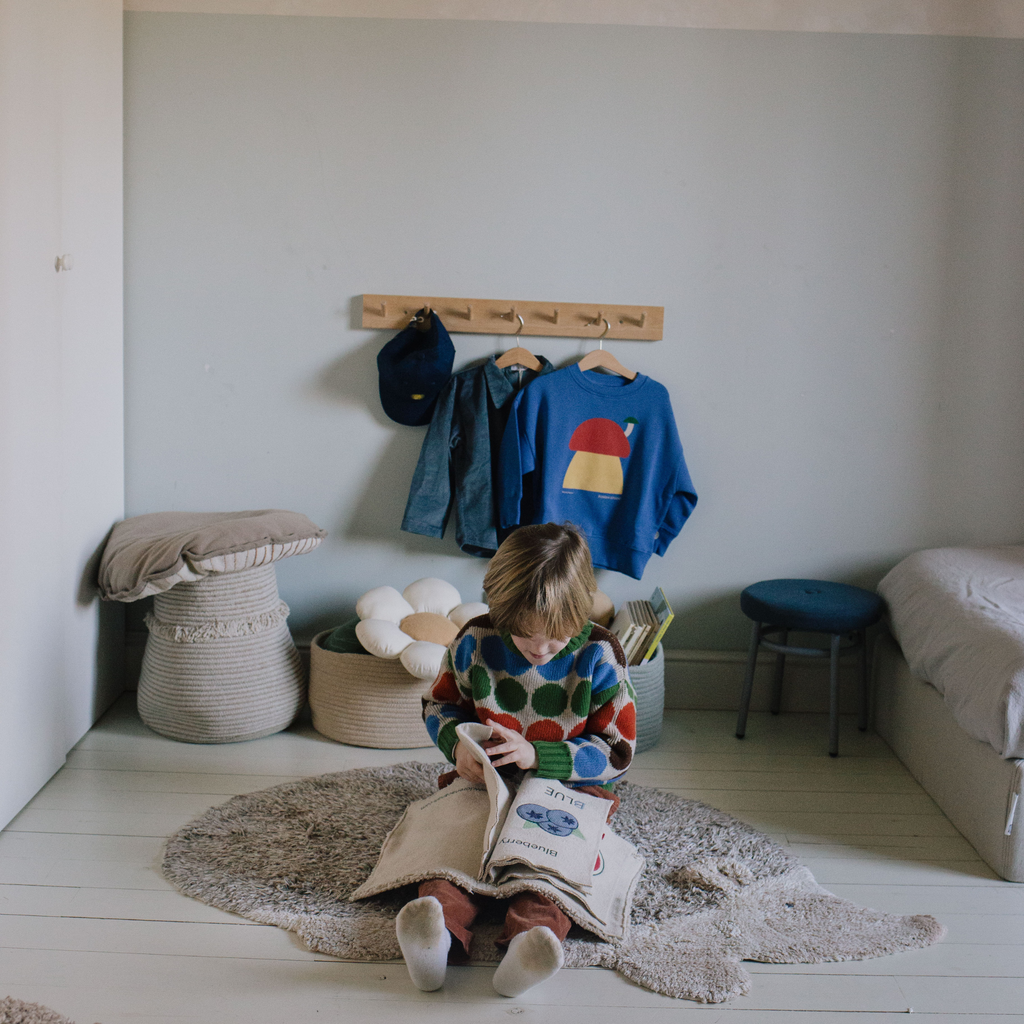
column 648, row 680
column 365, row 701
column 220, row 665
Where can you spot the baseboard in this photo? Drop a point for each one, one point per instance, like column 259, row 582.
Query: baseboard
column 694, row 680
column 712, row 681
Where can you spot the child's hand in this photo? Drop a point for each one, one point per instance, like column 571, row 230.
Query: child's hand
column 468, row 767
column 514, row 746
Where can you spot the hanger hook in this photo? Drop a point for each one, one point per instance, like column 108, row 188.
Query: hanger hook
column 519, row 329
column 607, row 328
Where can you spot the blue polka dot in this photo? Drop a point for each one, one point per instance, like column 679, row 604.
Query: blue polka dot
column 586, row 660
column 433, row 727
column 589, row 762
column 464, row 652
column 558, row 668
column 604, row 677
column 497, row 656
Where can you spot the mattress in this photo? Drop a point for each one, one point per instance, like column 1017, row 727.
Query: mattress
column 958, row 616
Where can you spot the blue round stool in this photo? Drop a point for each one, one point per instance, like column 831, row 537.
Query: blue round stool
column 812, row 606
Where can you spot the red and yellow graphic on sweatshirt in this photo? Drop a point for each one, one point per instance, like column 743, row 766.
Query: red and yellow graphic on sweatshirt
column 578, row 710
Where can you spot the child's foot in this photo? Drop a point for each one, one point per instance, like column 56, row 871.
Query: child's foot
column 532, row 957
column 424, row 941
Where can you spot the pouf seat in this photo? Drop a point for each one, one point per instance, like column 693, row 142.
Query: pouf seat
column 814, row 606
column 220, row 665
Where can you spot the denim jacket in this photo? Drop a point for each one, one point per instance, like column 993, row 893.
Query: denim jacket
column 459, row 459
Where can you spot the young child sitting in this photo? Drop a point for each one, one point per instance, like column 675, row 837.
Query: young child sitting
column 555, row 690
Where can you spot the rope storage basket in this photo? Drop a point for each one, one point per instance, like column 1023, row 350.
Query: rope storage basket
column 648, row 680
column 364, row 700
column 220, row 665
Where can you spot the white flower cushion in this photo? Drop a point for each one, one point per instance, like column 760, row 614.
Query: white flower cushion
column 384, row 603
column 394, row 625
column 423, row 659
column 432, row 595
column 462, row 613
column 383, row 638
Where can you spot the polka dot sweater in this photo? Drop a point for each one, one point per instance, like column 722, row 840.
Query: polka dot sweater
column 578, row 710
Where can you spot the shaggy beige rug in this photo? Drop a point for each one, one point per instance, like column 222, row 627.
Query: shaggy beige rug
column 14, row 1011
column 714, row 891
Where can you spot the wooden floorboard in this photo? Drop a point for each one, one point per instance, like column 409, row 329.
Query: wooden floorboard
column 89, row 926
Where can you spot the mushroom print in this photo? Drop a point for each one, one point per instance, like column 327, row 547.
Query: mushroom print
column 600, row 445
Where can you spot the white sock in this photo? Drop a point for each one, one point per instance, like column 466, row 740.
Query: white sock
column 532, row 957
column 424, row 941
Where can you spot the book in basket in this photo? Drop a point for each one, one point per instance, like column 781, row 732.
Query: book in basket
column 545, row 837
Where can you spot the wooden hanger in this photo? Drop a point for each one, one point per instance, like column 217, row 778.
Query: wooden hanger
column 599, row 357
column 518, row 356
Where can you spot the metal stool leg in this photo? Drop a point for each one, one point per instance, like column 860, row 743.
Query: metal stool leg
column 748, row 681
column 833, row 697
column 864, row 681
column 780, row 668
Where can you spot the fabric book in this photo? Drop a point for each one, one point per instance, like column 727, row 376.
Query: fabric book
column 664, row 615
column 640, row 625
column 544, row 837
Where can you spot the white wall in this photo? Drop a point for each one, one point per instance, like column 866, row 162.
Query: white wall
column 61, row 405
column 832, row 223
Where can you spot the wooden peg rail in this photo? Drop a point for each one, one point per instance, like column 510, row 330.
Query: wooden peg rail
column 501, row 316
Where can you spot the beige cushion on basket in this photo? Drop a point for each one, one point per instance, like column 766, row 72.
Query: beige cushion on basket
column 382, row 638
column 383, row 603
column 151, row 553
column 464, row 612
column 423, row 659
column 431, row 627
column 432, row 595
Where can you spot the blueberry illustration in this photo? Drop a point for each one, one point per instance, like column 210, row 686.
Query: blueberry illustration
column 533, row 812
column 555, row 830
column 563, row 819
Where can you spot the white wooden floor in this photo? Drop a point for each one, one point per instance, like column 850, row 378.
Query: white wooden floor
column 89, row 927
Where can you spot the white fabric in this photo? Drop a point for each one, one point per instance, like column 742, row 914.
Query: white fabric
column 432, row 595
column 384, row 603
column 462, row 613
column 382, row 638
column 423, row 659
column 237, row 561
column 958, row 615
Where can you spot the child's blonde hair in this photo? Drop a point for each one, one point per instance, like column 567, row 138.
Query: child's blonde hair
column 541, row 580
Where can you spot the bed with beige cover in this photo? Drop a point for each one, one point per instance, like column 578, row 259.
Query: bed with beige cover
column 949, row 694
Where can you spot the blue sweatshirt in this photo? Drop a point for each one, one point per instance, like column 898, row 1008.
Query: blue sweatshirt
column 601, row 452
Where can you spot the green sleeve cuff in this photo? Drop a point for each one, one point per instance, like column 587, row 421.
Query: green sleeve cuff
column 446, row 740
column 553, row 760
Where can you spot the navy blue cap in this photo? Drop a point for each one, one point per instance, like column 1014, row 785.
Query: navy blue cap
column 412, row 368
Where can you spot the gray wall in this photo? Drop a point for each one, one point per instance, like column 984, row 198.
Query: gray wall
column 832, row 223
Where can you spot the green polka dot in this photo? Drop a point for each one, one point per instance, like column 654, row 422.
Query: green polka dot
column 480, row 681
column 510, row 694
column 549, row 700
column 581, row 699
